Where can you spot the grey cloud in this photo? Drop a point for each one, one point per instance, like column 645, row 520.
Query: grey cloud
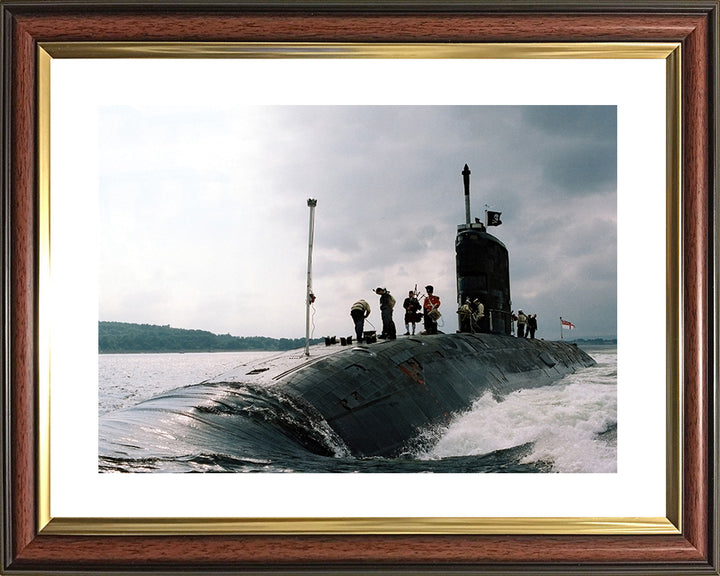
column 389, row 192
column 579, row 147
column 574, row 122
column 582, row 170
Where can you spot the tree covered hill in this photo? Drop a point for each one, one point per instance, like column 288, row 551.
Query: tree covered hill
column 121, row 337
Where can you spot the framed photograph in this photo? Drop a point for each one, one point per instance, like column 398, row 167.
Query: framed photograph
column 93, row 97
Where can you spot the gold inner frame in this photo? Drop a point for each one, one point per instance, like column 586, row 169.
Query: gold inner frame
column 671, row 524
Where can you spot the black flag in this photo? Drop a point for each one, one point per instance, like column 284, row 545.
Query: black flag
column 493, row 218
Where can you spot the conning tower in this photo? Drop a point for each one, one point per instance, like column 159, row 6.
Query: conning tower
column 483, row 274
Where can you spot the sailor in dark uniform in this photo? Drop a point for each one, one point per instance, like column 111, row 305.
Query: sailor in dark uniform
column 387, row 302
column 532, row 325
column 412, row 307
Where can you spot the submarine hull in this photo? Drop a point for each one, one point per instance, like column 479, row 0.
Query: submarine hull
column 364, row 401
column 378, row 398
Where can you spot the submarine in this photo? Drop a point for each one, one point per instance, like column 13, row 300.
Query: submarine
column 374, row 398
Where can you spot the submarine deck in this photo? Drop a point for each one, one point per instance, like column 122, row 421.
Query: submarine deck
column 378, row 397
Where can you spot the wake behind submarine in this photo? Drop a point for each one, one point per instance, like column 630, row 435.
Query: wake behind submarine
column 368, row 399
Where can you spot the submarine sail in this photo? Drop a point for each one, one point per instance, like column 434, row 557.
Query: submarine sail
column 483, row 276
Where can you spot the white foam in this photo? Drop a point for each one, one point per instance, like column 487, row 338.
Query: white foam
column 563, row 421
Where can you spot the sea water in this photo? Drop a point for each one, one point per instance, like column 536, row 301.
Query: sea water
column 126, row 379
column 570, row 426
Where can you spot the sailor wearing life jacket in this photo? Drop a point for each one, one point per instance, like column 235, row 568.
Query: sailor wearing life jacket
column 521, row 323
column 471, row 314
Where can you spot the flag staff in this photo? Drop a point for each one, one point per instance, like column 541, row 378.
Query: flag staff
column 309, row 296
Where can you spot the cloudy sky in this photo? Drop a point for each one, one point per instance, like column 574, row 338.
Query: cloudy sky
column 204, row 216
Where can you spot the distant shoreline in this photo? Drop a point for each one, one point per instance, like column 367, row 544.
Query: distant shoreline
column 593, row 341
column 129, row 338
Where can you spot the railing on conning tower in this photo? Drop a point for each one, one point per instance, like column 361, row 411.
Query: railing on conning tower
column 493, row 321
column 504, row 319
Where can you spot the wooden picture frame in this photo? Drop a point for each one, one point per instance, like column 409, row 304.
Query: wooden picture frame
column 31, row 545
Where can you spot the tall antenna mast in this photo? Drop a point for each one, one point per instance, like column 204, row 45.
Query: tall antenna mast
column 466, row 183
column 309, row 296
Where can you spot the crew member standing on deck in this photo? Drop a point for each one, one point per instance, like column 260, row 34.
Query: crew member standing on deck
column 412, row 307
column 359, row 311
column 430, row 311
column 522, row 323
column 387, row 303
column 532, row 325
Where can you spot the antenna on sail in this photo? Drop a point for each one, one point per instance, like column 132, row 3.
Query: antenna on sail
column 309, row 296
column 466, row 184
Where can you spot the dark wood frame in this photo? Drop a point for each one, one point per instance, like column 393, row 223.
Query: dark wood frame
column 25, row 24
